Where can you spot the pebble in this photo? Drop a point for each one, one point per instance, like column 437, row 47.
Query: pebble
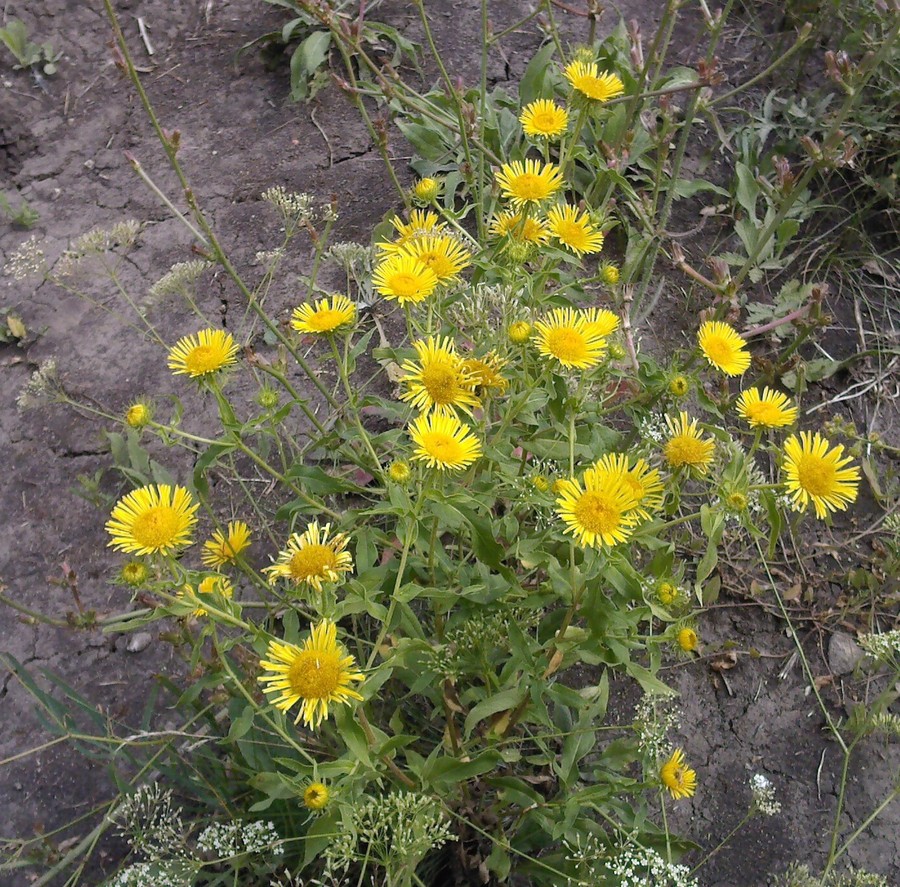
column 139, row 642
column 843, row 653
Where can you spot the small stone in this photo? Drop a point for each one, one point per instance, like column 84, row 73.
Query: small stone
column 139, row 642
column 843, row 653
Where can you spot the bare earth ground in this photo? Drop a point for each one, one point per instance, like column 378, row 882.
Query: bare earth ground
column 240, row 134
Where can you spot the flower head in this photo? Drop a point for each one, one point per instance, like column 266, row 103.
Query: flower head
column 316, row 675
column 574, row 229
column 404, row 278
column 519, row 332
column 609, row 273
column 439, row 381
column 601, row 321
column 399, row 471
column 818, row 473
column 444, row 255
column 311, row 558
column 642, row 481
column 154, row 519
column 586, row 79
column 485, row 372
column 204, row 354
column 687, row 639
column 427, row 190
column 528, row 230
column 544, row 119
column 139, row 414
column 599, row 513
column 686, row 446
column 443, row 442
column 422, row 223
column 223, row 548
column 723, row 347
column 325, row 316
column 316, row 795
column 134, row 573
column 567, row 336
column 679, row 385
column 769, row 409
column 677, row 777
column 529, row 181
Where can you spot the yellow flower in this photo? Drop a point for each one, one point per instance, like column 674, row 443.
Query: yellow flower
column 687, row 639
column 399, row 472
column 427, row 190
column 439, row 381
column 223, row 548
column 134, row 573
column 316, row 675
column 519, row 332
column 139, row 414
column 723, row 347
column 540, row 483
column 642, row 481
column 574, row 230
column 770, row 409
column 422, row 223
column 325, row 316
column 316, row 795
column 601, row 513
column 815, row 472
column 530, row 230
column 609, row 274
column 204, row 354
column 567, row 336
column 312, row 558
column 679, row 386
column 736, row 501
column 677, row 777
column 443, row 442
column 404, row 278
column 443, row 254
column 667, row 593
column 485, row 371
column 529, row 182
column 154, row 519
column 587, row 80
column 601, row 321
column 686, row 446
column 209, row 585
column 544, row 119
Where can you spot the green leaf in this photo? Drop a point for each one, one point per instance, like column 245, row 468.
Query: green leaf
column 444, row 774
column 307, row 58
column 747, row 190
column 426, row 140
column 502, row 701
column 319, row 835
column 533, row 81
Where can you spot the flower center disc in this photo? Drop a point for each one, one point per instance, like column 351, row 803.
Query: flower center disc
column 596, row 514
column 529, row 187
column 314, row 674
column 815, row 476
column 443, row 447
column 764, row 413
column 406, row 286
column 567, row 344
column 156, row 527
column 719, row 350
column 440, row 381
column 203, row 359
column 685, row 451
column 312, row 560
column 325, row 320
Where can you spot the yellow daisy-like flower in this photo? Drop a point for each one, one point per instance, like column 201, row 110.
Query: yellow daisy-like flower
column 530, row 230
column 818, row 473
column 519, row 332
column 687, row 639
column 642, row 481
column 427, row 190
column 686, row 446
column 154, row 519
column 723, row 347
column 601, row 321
column 486, row 372
column 544, row 119
column 223, row 548
column 677, row 777
column 444, row 255
column 318, row 674
column 209, row 585
column 566, row 335
column 529, row 182
column 311, row 558
column 134, row 573
column 404, row 278
column 586, row 78
column 422, row 223
column 316, row 796
column 600, row 513
column 325, row 316
column 679, row 386
column 443, row 442
column 138, row 415
column 204, row 354
column 574, row 230
column 769, row 409
column 438, row 381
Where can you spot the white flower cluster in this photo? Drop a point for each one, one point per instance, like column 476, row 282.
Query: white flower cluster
column 350, row 256
column 150, row 822
column 763, row 792
column 882, row 647
column 484, row 307
column 41, row 388
column 637, row 866
column 229, row 839
column 293, row 207
column 653, row 429
column 171, row 873
column 180, row 277
column 655, row 716
column 28, row 259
